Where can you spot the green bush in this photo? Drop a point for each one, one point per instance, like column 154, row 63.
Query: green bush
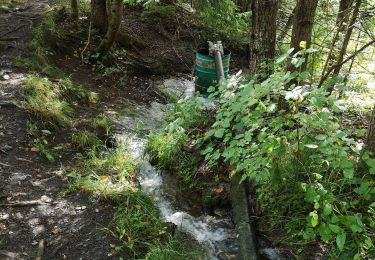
column 313, row 178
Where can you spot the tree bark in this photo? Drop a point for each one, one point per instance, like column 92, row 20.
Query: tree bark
column 115, row 10
column 287, row 26
column 263, row 35
column 99, row 15
column 74, row 6
column 348, row 34
column 370, row 141
column 303, row 22
column 341, row 24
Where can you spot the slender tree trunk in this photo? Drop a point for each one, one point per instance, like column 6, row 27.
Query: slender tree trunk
column 115, row 14
column 341, row 24
column 74, row 5
column 348, row 34
column 370, row 141
column 263, row 35
column 99, row 15
column 302, row 27
column 287, row 26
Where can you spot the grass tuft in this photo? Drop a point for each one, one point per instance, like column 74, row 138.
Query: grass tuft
column 43, row 100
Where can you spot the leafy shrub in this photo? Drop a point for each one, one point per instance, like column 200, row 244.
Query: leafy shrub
column 302, row 159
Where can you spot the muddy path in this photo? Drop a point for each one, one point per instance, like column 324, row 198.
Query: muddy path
column 32, row 208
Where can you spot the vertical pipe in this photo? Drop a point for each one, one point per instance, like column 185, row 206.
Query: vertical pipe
column 219, row 66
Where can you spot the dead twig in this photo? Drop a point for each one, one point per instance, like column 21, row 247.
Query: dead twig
column 88, row 40
column 24, row 203
column 4, row 164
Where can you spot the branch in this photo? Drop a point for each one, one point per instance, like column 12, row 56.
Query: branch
column 324, row 78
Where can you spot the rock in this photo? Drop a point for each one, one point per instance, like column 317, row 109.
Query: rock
column 45, row 198
column 5, row 217
column 96, row 210
column 6, row 76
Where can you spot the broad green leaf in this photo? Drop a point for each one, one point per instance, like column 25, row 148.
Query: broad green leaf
column 327, row 209
column 335, row 229
column 340, row 240
column 349, row 173
column 219, row 133
column 314, row 220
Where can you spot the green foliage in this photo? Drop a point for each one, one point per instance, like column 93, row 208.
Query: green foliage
column 302, row 159
column 137, row 223
column 167, row 146
column 223, row 21
column 102, row 122
column 159, row 12
column 38, row 63
column 43, row 101
column 84, row 139
column 172, row 249
column 47, row 100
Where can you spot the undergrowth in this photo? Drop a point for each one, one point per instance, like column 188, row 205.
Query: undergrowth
column 170, row 145
column 301, row 158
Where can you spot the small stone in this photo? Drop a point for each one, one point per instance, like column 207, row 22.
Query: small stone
column 6, row 76
column 96, row 210
column 78, row 208
column 83, row 207
column 6, row 216
column 34, row 243
column 45, row 198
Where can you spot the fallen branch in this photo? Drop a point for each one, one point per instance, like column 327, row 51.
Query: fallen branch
column 24, row 203
column 4, row 164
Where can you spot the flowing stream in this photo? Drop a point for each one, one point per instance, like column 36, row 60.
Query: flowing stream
column 215, row 234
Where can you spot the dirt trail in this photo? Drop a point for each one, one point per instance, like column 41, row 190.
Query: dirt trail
column 69, row 225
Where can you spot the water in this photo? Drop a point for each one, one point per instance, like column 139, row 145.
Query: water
column 215, row 234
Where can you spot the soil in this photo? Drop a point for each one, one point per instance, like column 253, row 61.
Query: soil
column 69, row 226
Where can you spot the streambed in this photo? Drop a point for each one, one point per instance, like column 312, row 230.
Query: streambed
column 213, row 235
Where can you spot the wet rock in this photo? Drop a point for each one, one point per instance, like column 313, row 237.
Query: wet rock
column 269, row 254
column 226, row 256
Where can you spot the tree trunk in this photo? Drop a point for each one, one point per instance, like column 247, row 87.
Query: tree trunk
column 370, row 141
column 263, row 35
column 287, row 26
column 302, row 27
column 348, row 34
column 115, row 13
column 341, row 24
column 243, row 5
column 99, row 15
column 74, row 6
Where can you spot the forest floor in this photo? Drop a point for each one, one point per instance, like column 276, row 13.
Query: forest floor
column 68, row 225
column 32, row 209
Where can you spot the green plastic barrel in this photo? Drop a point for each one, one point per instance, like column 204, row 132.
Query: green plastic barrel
column 205, row 69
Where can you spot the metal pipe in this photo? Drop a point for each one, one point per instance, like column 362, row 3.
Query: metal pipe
column 219, row 66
